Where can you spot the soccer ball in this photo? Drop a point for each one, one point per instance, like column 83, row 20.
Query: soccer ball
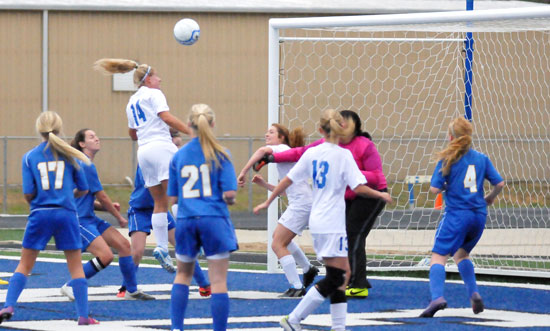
column 187, row 31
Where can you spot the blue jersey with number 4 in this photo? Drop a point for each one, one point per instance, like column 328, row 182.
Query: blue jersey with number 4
column 464, row 183
column 199, row 186
column 52, row 181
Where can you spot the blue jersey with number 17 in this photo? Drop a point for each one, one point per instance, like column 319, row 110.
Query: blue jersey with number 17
column 464, row 183
column 52, row 181
column 199, row 186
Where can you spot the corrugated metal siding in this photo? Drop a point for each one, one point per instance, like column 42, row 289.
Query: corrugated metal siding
column 20, row 71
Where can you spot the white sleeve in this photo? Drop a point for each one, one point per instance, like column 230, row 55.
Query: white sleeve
column 352, row 175
column 278, row 148
column 300, row 171
column 158, row 101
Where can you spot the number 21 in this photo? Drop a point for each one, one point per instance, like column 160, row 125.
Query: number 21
column 191, row 172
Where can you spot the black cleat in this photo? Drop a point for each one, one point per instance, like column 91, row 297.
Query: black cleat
column 293, row 293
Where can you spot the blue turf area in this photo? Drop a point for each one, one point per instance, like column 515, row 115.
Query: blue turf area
column 392, row 304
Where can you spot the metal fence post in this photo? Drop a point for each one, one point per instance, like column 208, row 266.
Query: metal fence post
column 5, row 179
column 250, row 140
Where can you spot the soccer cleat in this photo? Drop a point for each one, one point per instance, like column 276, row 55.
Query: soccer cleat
column 3, row 282
column 138, row 295
column 164, row 259
column 67, row 291
column 293, row 293
column 310, row 275
column 434, row 306
column 287, row 326
column 368, row 283
column 87, row 321
column 121, row 292
column 355, row 292
column 205, row 291
column 477, row 303
column 6, row 313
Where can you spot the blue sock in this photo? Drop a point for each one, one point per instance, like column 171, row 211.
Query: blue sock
column 199, row 276
column 124, row 281
column 466, row 269
column 80, row 290
column 437, row 280
column 220, row 310
column 93, row 267
column 178, row 304
column 15, row 287
column 128, row 270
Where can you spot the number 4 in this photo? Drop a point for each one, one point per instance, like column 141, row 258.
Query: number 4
column 470, row 179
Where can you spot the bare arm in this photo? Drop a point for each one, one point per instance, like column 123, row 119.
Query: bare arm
column 490, row 198
column 77, row 194
column 229, row 197
column 435, row 190
column 133, row 134
column 29, row 197
column 367, row 192
column 107, row 205
column 241, row 179
column 281, row 187
column 174, row 122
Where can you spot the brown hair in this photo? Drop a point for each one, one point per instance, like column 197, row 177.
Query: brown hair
column 114, row 66
column 294, row 138
column 461, row 131
column 48, row 125
column 332, row 123
column 201, row 118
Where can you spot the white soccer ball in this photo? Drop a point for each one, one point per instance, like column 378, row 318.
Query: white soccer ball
column 187, row 31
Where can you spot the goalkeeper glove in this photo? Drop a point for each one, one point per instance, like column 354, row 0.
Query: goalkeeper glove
column 263, row 161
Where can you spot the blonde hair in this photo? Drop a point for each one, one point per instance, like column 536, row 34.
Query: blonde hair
column 115, row 66
column 461, row 131
column 48, row 125
column 335, row 126
column 294, row 138
column 201, row 118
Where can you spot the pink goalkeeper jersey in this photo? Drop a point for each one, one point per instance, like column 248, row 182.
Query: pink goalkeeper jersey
column 364, row 153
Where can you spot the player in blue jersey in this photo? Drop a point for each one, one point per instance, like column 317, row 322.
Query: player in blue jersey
column 51, row 180
column 139, row 225
column 460, row 173
column 98, row 236
column 202, row 180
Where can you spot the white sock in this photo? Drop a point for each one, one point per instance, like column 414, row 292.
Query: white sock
column 307, row 305
column 338, row 313
column 289, row 267
column 160, row 228
column 299, row 256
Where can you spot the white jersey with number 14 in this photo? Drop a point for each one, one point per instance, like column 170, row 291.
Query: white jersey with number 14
column 142, row 112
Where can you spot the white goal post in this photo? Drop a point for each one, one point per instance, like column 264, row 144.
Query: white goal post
column 408, row 75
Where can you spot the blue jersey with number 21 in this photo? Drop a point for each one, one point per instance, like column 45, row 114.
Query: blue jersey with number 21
column 464, row 183
column 199, row 186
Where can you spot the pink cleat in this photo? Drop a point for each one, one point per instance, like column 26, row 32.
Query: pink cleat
column 6, row 313
column 434, row 306
column 87, row 321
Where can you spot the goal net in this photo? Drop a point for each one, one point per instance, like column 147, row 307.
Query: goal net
column 408, row 76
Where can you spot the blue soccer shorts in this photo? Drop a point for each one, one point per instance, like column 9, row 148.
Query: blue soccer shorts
column 459, row 229
column 140, row 220
column 91, row 228
column 214, row 234
column 45, row 223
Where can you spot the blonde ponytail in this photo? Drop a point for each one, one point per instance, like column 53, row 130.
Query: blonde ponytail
column 461, row 131
column 115, row 66
column 335, row 126
column 48, row 125
column 201, row 118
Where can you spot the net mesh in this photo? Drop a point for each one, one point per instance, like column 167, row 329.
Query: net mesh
column 407, row 83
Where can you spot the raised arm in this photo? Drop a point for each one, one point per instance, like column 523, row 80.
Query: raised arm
column 174, row 122
column 294, row 154
column 260, row 152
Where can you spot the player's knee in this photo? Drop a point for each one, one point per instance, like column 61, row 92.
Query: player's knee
column 338, row 296
column 124, row 248
column 105, row 258
column 335, row 278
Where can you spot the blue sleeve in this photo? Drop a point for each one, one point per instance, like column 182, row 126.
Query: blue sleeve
column 492, row 174
column 228, row 179
column 80, row 180
column 29, row 186
column 172, row 190
column 93, row 179
column 438, row 181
